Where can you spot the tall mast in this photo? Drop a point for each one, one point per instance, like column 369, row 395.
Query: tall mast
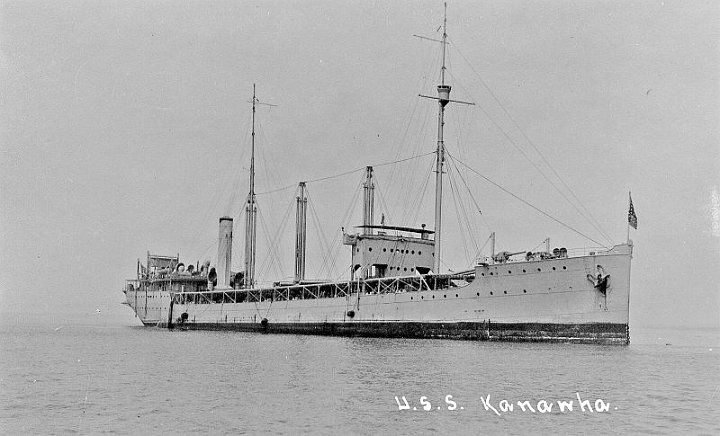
column 443, row 99
column 251, row 207
column 251, row 210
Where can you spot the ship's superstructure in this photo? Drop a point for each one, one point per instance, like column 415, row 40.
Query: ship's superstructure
column 395, row 286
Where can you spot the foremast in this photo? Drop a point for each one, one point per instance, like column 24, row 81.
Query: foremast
column 251, row 210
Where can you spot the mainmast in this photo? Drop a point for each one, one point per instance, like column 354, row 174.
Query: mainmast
column 251, row 210
column 443, row 99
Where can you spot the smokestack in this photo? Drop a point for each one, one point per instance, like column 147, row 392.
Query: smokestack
column 224, row 251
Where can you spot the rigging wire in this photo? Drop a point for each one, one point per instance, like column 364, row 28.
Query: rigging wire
column 479, row 252
column 425, row 78
column 402, row 182
column 383, row 203
column 587, row 215
column 526, row 202
column 542, row 173
column 422, row 194
column 322, row 241
column 273, row 254
column 452, row 164
column 337, row 245
column 472, row 197
column 457, row 215
column 217, row 195
column 467, row 216
column 320, row 179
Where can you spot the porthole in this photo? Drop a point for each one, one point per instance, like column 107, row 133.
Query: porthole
column 411, row 298
column 478, row 294
column 491, row 293
column 404, row 269
column 491, row 273
column 384, row 250
column 539, row 270
column 433, row 297
column 505, row 292
column 524, row 291
column 419, row 253
column 456, row 295
column 524, row 271
column 564, row 267
column 391, row 250
column 509, row 272
column 553, row 268
column 413, row 252
column 422, row 298
column 369, row 248
column 483, row 274
column 445, row 296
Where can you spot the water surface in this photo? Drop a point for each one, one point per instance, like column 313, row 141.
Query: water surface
column 119, row 378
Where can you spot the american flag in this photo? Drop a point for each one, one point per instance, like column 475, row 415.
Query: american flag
column 632, row 218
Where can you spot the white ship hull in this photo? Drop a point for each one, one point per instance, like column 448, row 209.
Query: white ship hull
column 551, row 299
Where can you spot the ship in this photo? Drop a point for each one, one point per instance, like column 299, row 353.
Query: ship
column 395, row 287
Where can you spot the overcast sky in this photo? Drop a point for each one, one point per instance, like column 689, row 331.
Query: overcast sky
column 126, row 125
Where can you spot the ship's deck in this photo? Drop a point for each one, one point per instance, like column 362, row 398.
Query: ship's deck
column 327, row 290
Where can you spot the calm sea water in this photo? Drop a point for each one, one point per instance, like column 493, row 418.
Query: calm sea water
column 119, row 378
